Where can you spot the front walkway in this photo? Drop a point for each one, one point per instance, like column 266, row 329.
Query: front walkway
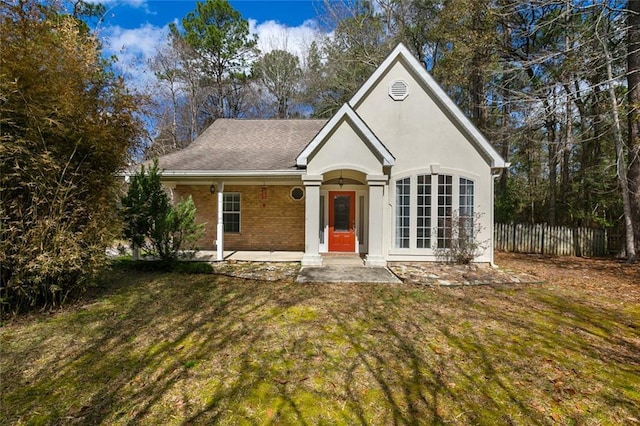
column 345, row 268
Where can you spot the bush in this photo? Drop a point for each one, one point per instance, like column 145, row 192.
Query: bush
column 67, row 127
column 193, row 268
column 464, row 245
column 152, row 223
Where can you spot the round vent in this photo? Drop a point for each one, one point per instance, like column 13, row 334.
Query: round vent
column 398, row 90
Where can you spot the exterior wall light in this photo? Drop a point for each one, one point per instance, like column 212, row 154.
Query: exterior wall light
column 212, row 189
column 263, row 196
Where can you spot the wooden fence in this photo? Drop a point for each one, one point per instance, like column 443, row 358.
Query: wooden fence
column 553, row 240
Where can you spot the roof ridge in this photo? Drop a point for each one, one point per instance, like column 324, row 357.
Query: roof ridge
column 272, row 120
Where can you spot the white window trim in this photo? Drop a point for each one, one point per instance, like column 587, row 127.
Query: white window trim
column 431, row 185
column 412, row 215
column 456, row 175
column 239, row 212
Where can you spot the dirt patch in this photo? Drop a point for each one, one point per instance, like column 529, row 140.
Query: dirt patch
column 259, row 271
column 587, row 276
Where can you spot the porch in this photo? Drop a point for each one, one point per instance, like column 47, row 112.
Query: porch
column 343, row 215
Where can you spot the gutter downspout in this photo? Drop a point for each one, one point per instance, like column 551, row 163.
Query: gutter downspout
column 495, row 174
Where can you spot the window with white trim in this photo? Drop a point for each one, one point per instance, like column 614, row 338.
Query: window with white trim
column 403, row 228
column 432, row 210
column 445, row 199
column 466, row 209
column 423, row 226
column 231, row 212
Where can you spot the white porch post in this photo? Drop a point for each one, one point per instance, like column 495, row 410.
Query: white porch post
column 376, row 184
column 311, row 220
column 220, row 226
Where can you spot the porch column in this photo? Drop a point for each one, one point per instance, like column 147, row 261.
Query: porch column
column 376, row 184
column 311, row 220
column 220, row 226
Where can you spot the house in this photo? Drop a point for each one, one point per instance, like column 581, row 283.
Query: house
column 384, row 177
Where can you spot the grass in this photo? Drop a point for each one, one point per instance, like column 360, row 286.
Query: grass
column 169, row 348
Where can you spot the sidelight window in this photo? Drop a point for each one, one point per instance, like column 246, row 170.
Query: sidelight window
column 466, row 209
column 403, row 190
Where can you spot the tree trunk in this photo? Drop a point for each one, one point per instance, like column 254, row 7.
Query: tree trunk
column 566, row 160
column 633, row 82
column 621, row 168
column 505, row 125
column 478, row 107
column 552, row 159
column 505, row 136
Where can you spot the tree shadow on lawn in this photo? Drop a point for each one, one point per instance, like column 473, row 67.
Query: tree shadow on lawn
column 137, row 347
column 436, row 366
column 586, row 356
column 170, row 349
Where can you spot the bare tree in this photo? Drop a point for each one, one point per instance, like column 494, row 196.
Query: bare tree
column 633, row 83
column 621, row 167
column 279, row 71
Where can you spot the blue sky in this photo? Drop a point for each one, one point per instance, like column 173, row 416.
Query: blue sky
column 134, row 13
column 133, row 30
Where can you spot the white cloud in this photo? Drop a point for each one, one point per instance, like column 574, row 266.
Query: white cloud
column 134, row 48
column 273, row 35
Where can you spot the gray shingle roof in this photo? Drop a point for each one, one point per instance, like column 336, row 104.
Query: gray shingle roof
column 234, row 144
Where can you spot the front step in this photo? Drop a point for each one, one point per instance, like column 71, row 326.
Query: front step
column 342, row 260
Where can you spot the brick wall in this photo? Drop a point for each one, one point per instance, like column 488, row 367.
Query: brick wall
column 278, row 225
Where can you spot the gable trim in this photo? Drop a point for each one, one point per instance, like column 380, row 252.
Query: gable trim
column 473, row 134
column 346, row 113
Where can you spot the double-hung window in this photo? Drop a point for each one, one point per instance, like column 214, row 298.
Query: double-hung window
column 231, row 212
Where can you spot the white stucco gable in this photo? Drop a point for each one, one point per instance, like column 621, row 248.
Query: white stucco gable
column 446, row 105
column 345, row 140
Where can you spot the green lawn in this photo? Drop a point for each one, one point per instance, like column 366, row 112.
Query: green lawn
column 152, row 348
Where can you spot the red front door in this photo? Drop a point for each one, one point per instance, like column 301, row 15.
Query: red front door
column 342, row 221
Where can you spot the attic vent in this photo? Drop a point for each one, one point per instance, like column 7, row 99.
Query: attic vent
column 297, row 193
column 398, row 90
